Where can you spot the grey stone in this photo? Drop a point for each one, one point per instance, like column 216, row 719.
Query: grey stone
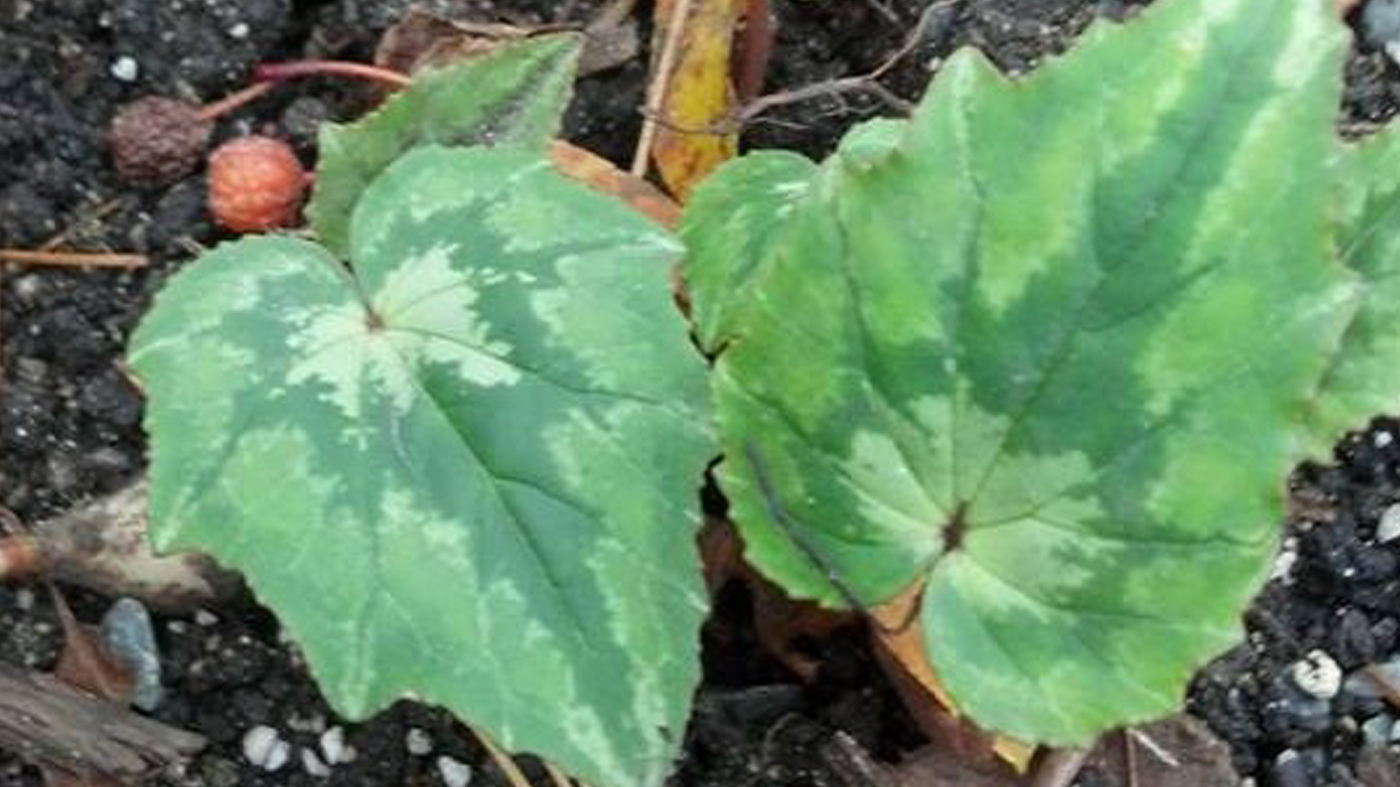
column 129, row 636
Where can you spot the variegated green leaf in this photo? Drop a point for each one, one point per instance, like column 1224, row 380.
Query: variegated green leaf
column 513, row 95
column 463, row 469
column 737, row 216
column 1047, row 351
column 1363, row 379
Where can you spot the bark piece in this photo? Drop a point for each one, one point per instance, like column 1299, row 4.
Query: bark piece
column 103, row 546
column 56, row 726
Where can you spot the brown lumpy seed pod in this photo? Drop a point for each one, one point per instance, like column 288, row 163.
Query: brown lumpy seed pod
column 155, row 141
column 256, row 183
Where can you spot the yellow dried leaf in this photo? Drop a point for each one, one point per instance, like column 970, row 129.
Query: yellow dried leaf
column 698, row 97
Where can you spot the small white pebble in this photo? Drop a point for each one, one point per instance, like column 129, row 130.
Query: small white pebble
column 264, row 748
column 333, row 745
column 205, row 618
column 125, row 68
column 1383, row 439
column 454, row 773
column 418, row 742
column 26, row 287
column 281, row 752
column 1318, row 675
column 313, row 765
column 1388, row 529
column 239, row 30
column 24, row 599
column 1287, row 558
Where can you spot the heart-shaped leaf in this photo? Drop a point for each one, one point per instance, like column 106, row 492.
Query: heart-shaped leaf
column 513, row 95
column 1047, row 347
column 463, row 469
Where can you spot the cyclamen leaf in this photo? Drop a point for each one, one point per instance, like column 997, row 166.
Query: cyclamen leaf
column 737, row 217
column 463, row 470
column 1363, row 378
column 512, row 96
column 1047, row 351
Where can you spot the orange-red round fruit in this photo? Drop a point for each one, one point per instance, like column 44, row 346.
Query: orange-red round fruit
column 255, row 184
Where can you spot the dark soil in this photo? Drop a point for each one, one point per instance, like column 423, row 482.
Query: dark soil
column 70, row 421
column 1336, row 590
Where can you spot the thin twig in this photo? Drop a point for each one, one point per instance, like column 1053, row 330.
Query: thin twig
column 1130, row 769
column 1153, row 747
column 830, row 87
column 656, row 91
column 885, row 11
column 911, row 41
column 512, row 772
column 300, row 68
column 868, row 82
column 1058, row 768
column 91, row 217
column 790, row 125
column 862, row 83
column 557, row 776
column 73, row 259
column 235, row 99
column 752, row 112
